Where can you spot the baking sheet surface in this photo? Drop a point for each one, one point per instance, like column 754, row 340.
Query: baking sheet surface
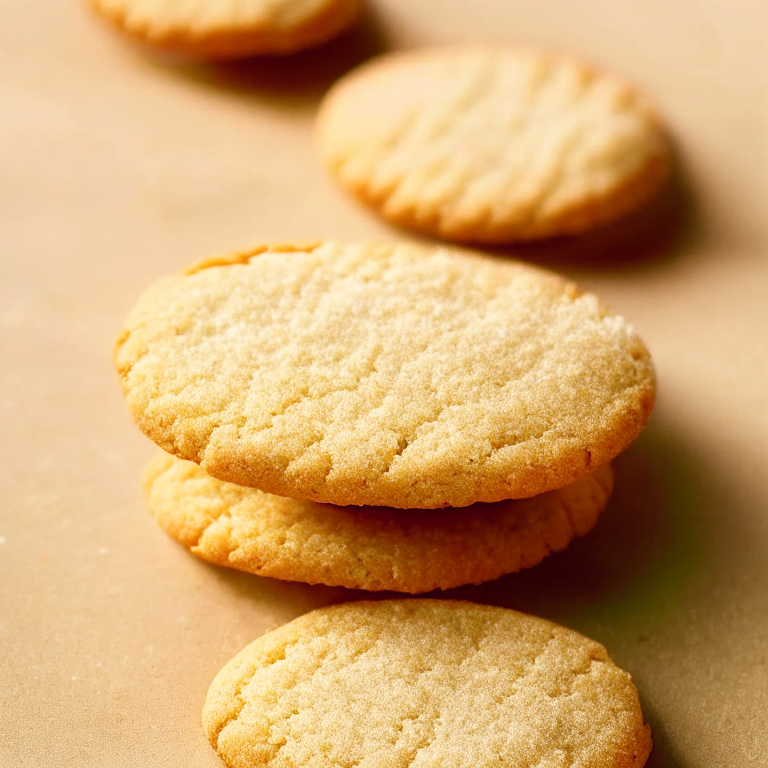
column 118, row 167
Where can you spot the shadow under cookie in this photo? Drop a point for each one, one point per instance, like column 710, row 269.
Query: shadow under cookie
column 369, row 548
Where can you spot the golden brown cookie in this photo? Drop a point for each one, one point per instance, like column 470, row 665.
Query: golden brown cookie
column 383, row 375
column 370, row 548
column 232, row 29
column 422, row 684
column 491, row 144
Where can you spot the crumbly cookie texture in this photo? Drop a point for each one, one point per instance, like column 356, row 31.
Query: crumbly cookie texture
column 231, row 29
column 370, row 548
column 383, row 375
column 491, row 145
column 421, row 684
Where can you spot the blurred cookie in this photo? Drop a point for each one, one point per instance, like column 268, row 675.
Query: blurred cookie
column 383, row 375
column 238, row 28
column 369, row 548
column 401, row 683
column 491, row 145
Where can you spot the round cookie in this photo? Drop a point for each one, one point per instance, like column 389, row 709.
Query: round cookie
column 383, row 375
column 212, row 29
column 421, row 684
column 491, row 145
column 369, row 548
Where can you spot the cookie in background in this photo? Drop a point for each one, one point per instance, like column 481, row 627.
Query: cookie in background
column 212, row 29
column 492, row 145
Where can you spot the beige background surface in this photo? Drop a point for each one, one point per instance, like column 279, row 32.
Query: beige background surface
column 116, row 167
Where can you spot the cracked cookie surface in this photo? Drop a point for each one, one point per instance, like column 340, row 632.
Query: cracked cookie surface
column 422, row 684
column 230, row 28
column 370, row 548
column 491, row 145
column 383, row 375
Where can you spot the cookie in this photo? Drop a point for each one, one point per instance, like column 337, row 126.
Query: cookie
column 383, row 375
column 491, row 145
column 212, row 29
column 369, row 548
column 420, row 683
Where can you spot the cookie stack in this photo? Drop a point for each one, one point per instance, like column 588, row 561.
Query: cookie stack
column 379, row 416
column 405, row 418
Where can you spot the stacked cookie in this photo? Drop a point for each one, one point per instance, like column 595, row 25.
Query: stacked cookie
column 321, row 406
